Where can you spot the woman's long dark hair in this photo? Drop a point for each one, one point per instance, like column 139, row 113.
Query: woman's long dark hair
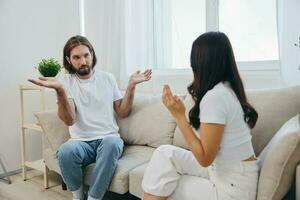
column 212, row 62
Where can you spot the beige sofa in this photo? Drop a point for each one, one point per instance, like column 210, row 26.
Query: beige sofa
column 150, row 125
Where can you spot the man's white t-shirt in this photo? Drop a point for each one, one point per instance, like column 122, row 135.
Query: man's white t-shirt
column 221, row 106
column 94, row 99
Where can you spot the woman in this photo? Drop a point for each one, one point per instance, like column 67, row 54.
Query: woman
column 223, row 118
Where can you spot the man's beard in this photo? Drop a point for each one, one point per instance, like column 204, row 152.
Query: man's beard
column 83, row 70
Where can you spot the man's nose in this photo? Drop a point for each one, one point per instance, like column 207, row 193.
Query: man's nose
column 82, row 61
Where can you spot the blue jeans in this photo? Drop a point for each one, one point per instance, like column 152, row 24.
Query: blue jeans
column 73, row 156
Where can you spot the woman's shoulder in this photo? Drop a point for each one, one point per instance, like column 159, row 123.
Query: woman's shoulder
column 220, row 95
column 219, row 91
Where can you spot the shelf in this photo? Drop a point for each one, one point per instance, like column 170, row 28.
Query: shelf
column 30, row 87
column 36, row 127
column 37, row 164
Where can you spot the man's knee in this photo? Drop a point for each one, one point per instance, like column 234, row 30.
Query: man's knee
column 68, row 150
column 112, row 144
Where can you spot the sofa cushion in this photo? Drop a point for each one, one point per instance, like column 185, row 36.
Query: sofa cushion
column 132, row 157
column 50, row 160
column 274, row 107
column 149, row 123
column 56, row 132
column 135, row 180
column 279, row 160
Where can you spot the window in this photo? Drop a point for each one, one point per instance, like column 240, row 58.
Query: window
column 251, row 26
column 177, row 24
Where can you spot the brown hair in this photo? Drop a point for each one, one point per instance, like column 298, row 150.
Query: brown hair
column 71, row 44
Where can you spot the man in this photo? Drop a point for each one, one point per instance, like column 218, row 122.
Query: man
column 86, row 101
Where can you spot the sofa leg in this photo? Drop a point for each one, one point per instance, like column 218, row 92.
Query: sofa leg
column 63, row 185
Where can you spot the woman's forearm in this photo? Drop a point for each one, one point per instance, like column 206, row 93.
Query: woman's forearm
column 193, row 142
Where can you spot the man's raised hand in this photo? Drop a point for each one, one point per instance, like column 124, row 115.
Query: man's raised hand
column 46, row 82
column 139, row 77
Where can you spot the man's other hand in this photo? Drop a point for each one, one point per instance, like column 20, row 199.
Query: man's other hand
column 139, row 77
column 46, row 82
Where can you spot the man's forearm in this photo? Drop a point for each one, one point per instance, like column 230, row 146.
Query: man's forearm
column 66, row 110
column 126, row 104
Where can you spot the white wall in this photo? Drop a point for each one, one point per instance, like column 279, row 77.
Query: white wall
column 29, row 31
column 289, row 16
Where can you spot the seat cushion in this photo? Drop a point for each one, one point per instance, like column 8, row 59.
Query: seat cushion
column 135, row 180
column 279, row 160
column 149, row 123
column 132, row 157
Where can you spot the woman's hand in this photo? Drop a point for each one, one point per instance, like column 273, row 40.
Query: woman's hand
column 173, row 103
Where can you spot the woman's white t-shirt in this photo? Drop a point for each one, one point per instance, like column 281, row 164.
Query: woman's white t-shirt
column 93, row 98
column 221, row 106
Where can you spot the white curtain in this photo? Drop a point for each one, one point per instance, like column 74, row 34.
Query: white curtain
column 122, row 34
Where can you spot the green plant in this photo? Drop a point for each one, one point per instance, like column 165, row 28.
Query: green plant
column 49, row 67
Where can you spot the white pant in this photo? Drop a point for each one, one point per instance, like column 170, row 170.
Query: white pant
column 175, row 172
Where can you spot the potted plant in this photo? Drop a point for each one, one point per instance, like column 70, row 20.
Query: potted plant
column 49, row 67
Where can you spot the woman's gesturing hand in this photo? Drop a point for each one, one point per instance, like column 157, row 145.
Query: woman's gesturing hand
column 173, row 103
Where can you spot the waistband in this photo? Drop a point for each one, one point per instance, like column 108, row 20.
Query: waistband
column 242, row 166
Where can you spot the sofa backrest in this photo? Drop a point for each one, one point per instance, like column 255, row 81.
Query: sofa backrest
column 149, row 123
column 274, row 108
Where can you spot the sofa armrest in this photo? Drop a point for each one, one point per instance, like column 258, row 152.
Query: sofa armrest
column 298, row 182
column 55, row 131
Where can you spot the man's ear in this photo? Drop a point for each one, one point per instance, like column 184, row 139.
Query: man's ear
column 68, row 59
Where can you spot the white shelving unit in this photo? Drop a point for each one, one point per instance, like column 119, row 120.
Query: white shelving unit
column 37, row 164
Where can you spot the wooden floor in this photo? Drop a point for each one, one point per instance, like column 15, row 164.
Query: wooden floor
column 32, row 189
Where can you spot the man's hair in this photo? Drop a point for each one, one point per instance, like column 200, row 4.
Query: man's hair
column 70, row 45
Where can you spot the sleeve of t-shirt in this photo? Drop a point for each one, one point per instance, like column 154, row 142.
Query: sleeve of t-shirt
column 116, row 91
column 213, row 108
